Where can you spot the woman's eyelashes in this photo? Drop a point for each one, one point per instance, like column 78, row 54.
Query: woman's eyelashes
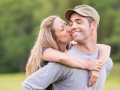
column 62, row 29
column 63, row 26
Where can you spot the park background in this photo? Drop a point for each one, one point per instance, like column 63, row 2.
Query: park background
column 19, row 27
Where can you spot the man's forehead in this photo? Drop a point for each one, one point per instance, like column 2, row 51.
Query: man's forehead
column 76, row 16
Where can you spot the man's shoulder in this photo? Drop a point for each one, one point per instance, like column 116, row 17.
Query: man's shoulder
column 58, row 69
column 108, row 65
column 72, row 49
column 109, row 62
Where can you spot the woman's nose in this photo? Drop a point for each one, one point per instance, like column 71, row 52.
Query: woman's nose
column 68, row 29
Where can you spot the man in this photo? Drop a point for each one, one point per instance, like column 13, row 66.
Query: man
column 84, row 21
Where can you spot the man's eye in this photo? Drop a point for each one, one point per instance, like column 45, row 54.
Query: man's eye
column 79, row 22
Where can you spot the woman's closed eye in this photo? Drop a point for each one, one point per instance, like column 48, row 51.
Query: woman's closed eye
column 63, row 26
column 62, row 29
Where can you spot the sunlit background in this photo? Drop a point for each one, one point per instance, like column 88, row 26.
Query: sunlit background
column 19, row 27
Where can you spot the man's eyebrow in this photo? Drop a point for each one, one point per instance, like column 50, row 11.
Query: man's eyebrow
column 78, row 19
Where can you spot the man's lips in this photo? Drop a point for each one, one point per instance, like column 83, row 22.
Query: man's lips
column 75, row 33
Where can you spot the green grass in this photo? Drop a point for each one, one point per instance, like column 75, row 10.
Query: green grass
column 11, row 81
column 14, row 81
column 113, row 79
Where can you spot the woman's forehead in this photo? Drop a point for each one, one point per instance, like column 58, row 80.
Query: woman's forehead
column 58, row 22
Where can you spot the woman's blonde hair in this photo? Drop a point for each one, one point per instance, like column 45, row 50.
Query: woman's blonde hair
column 46, row 38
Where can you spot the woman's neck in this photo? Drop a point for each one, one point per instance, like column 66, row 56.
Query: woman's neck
column 62, row 47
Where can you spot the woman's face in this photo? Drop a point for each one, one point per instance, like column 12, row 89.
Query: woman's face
column 62, row 31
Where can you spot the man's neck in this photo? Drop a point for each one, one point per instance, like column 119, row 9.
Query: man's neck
column 87, row 47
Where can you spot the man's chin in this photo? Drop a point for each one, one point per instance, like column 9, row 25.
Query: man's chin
column 75, row 39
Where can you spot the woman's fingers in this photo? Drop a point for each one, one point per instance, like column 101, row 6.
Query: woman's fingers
column 94, row 64
column 93, row 78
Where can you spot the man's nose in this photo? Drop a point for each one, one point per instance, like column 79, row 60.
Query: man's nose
column 73, row 27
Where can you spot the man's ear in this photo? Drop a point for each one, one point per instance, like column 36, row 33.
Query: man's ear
column 94, row 25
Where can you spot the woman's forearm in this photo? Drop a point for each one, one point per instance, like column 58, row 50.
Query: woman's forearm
column 73, row 61
column 104, row 53
column 63, row 58
column 91, row 64
column 70, row 60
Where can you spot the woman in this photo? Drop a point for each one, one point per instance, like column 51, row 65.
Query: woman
column 52, row 44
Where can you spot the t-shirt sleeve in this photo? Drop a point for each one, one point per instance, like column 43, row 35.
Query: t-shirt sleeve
column 44, row 48
column 108, row 66
column 42, row 78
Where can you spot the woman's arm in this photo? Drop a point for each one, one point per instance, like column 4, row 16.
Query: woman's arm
column 56, row 56
column 104, row 52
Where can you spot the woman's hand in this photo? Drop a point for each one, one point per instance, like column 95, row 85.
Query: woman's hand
column 93, row 64
column 94, row 75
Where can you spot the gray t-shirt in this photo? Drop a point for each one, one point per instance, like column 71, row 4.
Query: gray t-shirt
column 66, row 78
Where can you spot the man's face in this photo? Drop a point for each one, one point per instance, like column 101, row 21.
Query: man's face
column 80, row 28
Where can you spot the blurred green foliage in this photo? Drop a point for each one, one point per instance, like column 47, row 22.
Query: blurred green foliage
column 20, row 21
